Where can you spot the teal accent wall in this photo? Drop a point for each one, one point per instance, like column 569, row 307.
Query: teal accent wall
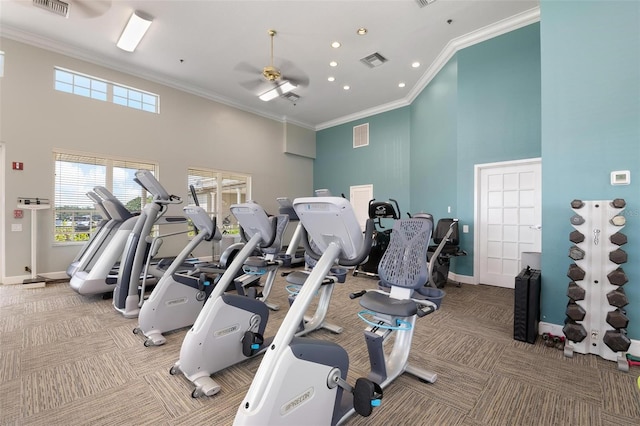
column 483, row 106
column 498, row 114
column 590, row 127
column 384, row 163
column 434, row 145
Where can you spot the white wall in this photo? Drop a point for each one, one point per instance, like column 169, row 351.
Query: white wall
column 189, row 132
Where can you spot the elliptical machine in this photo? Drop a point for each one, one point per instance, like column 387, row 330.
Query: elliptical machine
column 301, row 379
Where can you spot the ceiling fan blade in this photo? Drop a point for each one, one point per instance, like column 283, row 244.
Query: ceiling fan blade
column 248, row 68
column 255, row 85
column 294, row 74
column 300, row 81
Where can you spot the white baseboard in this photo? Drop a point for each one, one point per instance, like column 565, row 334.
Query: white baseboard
column 18, row 279
column 464, row 279
column 555, row 329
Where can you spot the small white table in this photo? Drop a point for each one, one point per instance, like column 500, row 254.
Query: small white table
column 34, row 240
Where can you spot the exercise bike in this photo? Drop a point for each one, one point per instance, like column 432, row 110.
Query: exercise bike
column 230, row 327
column 178, row 298
column 300, row 379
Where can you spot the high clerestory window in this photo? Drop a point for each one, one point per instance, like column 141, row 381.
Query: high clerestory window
column 103, row 90
column 74, row 214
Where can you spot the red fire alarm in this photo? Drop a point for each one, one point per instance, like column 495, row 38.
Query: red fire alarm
column 18, row 214
column 17, row 165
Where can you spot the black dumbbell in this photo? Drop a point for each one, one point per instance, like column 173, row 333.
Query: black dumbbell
column 617, row 298
column 617, row 277
column 575, row 311
column 577, row 204
column 574, row 331
column 576, row 253
column 618, row 256
column 618, row 238
column 575, row 292
column 575, row 272
column 617, row 340
column 576, row 220
column 576, row 237
column 617, row 319
column 618, row 203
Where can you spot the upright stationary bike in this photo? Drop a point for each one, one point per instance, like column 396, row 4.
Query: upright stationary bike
column 230, row 327
column 302, row 380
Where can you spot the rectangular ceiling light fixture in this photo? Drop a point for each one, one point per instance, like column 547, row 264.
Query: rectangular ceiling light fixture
column 136, row 28
column 280, row 90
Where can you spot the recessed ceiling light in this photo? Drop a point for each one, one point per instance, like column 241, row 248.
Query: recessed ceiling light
column 346, row 87
column 333, row 64
column 335, row 44
column 361, row 31
column 331, row 79
column 415, row 64
column 401, row 84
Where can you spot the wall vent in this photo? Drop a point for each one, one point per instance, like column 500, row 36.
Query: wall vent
column 374, row 60
column 423, row 3
column 361, row 135
column 54, row 6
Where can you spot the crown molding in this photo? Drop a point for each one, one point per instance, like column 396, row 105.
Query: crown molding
column 454, row 46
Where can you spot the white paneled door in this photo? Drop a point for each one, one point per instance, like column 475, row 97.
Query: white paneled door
column 360, row 195
column 508, row 218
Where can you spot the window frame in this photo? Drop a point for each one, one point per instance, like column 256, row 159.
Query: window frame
column 110, row 163
column 111, row 92
column 213, row 201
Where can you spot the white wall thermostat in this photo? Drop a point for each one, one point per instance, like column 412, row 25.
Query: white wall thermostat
column 621, row 177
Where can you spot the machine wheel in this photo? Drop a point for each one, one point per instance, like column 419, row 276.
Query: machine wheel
column 174, row 370
column 136, row 330
column 197, row 393
column 148, row 343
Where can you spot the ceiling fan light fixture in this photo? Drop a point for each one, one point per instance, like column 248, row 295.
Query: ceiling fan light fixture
column 138, row 24
column 278, row 91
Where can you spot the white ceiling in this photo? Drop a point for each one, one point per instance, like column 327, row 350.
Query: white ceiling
column 217, row 48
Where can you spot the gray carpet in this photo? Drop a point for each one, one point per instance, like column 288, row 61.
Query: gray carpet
column 67, row 359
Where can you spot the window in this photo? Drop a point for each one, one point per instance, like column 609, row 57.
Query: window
column 134, row 98
column 217, row 191
column 103, row 90
column 81, row 85
column 75, row 216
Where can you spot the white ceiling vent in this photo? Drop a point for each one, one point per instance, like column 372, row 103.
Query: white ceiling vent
column 291, row 97
column 54, row 6
column 423, row 3
column 374, row 60
column 361, row 135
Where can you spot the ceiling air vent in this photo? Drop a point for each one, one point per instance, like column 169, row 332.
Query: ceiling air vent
column 291, row 97
column 374, row 60
column 361, row 135
column 54, row 6
column 423, row 3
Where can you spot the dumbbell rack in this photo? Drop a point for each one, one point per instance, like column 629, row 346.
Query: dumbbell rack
column 596, row 322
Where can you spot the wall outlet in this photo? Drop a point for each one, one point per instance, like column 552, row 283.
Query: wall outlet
column 465, row 229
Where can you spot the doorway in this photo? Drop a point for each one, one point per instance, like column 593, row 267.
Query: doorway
column 508, row 217
column 360, row 195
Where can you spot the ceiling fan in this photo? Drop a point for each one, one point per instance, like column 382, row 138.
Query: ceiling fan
column 279, row 82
